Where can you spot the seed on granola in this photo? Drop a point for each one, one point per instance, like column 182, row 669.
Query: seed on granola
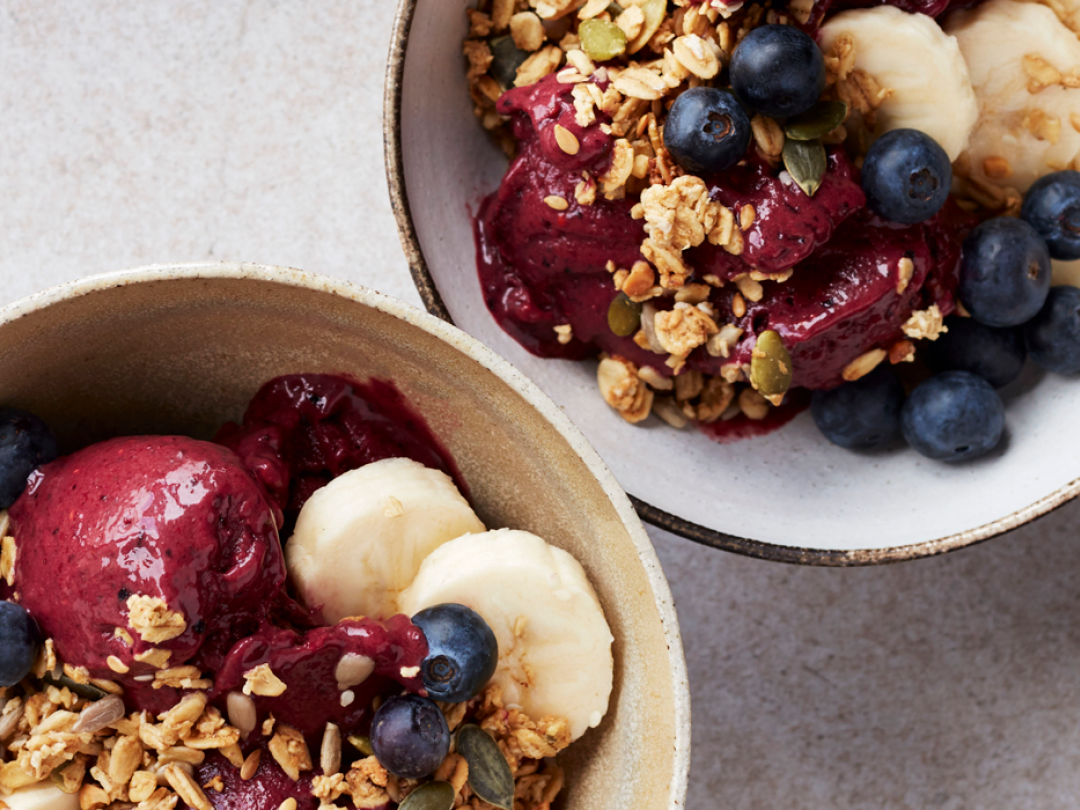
column 116, row 665
column 602, row 40
column 361, row 744
column 770, row 367
column 624, row 316
column 863, row 364
column 654, row 11
column 738, row 305
column 430, row 796
column 806, row 163
column 556, row 203
column 489, row 774
column 905, row 269
column 566, row 140
column 818, row 121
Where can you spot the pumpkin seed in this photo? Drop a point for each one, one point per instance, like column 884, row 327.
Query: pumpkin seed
column 489, row 775
column 805, row 162
column 602, row 40
column 770, row 365
column 431, row 796
column 83, row 690
column 361, row 744
column 623, row 316
column 506, row 59
column 821, row 119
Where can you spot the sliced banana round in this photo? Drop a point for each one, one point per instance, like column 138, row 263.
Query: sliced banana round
column 921, row 67
column 360, row 539
column 42, row 796
column 1020, row 57
column 554, row 642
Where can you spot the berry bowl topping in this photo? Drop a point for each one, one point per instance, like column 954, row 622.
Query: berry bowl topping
column 907, row 168
column 281, row 593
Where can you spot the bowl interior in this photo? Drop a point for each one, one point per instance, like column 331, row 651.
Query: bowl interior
column 180, row 351
column 791, row 489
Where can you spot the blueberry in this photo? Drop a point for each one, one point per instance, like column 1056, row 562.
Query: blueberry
column 25, row 444
column 1004, row 272
column 409, row 736
column 996, row 355
column 1052, row 208
column 906, row 176
column 462, row 652
column 862, row 414
column 707, row 130
column 1053, row 336
column 778, row 70
column 19, row 642
column 954, row 416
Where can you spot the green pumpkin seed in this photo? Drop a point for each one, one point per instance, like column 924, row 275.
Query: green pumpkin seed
column 602, row 40
column 770, row 365
column 506, row 59
column 623, row 316
column 83, row 690
column 805, row 162
column 819, row 120
column 361, row 744
column 431, row 796
column 489, row 775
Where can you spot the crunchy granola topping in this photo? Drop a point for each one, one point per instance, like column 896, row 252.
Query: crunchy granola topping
column 262, row 681
column 289, row 750
column 538, row 65
column 151, row 619
column 527, row 31
column 367, row 781
column 8, row 551
column 623, row 390
column 926, row 324
column 863, row 364
column 684, row 328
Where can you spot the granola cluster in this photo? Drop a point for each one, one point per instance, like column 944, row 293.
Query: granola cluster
column 116, row 760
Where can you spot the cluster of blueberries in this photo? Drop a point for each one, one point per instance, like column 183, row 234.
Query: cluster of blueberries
column 1005, row 286
column 25, row 444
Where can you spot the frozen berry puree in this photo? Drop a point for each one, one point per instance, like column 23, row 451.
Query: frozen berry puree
column 163, row 648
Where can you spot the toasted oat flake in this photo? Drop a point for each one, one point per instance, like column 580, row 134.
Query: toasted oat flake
column 289, row 750
column 696, row 55
column 751, row 290
column 905, row 269
column 682, row 329
column 640, row 83
column 863, row 364
column 527, row 31
column 768, row 136
column 262, row 681
column 623, row 390
column 155, row 657
column 538, row 65
column 151, row 619
column 556, row 203
column 186, row 788
column 8, row 551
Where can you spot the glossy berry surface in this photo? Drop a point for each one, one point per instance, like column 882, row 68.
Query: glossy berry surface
column 1053, row 336
column 863, row 414
column 1052, row 208
column 462, row 652
column 906, row 176
column 1004, row 272
column 778, row 70
column 409, row 736
column 954, row 416
column 707, row 130
column 996, row 355
column 19, row 643
column 25, row 444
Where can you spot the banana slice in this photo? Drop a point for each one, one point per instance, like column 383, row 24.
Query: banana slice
column 1025, row 127
column 922, row 66
column 360, row 539
column 42, row 796
column 554, row 642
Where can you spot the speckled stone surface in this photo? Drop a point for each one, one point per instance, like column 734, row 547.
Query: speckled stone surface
column 134, row 132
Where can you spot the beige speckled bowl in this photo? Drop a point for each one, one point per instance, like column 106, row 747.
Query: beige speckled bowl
column 182, row 348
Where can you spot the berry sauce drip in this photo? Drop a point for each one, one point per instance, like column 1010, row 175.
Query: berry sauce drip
column 300, row 431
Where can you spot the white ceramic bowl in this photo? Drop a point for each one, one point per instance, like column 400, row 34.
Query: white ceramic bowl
column 181, row 349
column 789, row 496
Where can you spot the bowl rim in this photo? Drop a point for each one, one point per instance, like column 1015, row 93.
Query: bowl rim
column 429, row 293
column 486, row 358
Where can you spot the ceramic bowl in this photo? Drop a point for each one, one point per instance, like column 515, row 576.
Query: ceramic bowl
column 788, row 496
column 180, row 349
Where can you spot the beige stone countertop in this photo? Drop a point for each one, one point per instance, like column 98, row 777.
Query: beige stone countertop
column 136, row 132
